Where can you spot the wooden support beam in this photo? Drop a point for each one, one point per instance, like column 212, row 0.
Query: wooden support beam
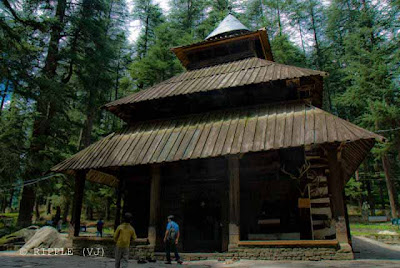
column 234, row 201
column 154, row 203
column 120, row 188
column 78, row 199
column 336, row 188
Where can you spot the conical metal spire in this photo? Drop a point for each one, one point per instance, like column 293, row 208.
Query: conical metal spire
column 228, row 25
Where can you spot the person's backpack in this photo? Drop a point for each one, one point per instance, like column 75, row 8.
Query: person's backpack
column 172, row 234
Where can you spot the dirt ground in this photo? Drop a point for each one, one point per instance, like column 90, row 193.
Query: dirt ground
column 368, row 253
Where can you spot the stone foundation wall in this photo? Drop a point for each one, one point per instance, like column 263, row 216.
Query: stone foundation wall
column 271, row 253
column 90, row 246
column 294, row 253
column 141, row 249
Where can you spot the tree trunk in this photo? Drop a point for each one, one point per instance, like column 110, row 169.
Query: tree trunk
column 3, row 204
column 316, row 41
column 91, row 213
column 10, row 202
column 37, row 213
column 383, row 206
column 26, row 207
column 45, row 108
column 67, row 204
column 279, row 18
column 80, row 178
column 114, row 120
column 88, row 126
column 359, row 199
column 72, row 219
column 48, row 206
column 371, row 200
column 301, row 37
column 387, row 167
column 108, row 208
column 318, row 51
column 87, row 213
column 146, row 35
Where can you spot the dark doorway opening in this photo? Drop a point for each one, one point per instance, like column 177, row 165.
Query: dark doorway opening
column 137, row 202
column 196, row 194
column 202, row 224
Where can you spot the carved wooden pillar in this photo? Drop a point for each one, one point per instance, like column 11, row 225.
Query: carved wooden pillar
column 234, row 201
column 336, row 188
column 154, row 204
column 78, row 199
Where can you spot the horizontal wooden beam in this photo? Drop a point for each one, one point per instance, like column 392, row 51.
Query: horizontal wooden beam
column 291, row 243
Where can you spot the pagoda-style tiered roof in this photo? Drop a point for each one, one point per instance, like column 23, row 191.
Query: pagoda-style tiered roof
column 233, row 99
column 233, row 131
column 229, row 75
column 234, row 74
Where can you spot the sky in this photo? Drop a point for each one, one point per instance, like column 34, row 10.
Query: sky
column 134, row 25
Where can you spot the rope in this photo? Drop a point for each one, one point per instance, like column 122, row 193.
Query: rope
column 30, row 182
column 387, row 130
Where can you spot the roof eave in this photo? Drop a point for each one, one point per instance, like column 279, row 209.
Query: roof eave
column 261, row 34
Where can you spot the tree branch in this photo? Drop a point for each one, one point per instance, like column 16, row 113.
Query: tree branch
column 34, row 24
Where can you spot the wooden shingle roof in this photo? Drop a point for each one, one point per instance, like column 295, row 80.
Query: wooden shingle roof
column 233, row 74
column 226, row 132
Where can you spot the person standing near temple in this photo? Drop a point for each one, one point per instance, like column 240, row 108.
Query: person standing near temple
column 100, row 225
column 171, row 240
column 123, row 236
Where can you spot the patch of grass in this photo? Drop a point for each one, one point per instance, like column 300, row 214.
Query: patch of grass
column 358, row 233
column 372, row 229
column 8, row 223
column 108, row 230
column 374, row 226
column 6, row 232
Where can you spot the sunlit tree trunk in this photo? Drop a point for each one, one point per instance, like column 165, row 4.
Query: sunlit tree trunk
column 387, row 167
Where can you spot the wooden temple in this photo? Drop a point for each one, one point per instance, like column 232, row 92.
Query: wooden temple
column 237, row 147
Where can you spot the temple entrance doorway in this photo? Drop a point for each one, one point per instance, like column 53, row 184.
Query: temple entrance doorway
column 202, row 224
column 270, row 196
column 197, row 194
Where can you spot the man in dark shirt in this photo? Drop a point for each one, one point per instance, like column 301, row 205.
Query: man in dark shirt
column 100, row 225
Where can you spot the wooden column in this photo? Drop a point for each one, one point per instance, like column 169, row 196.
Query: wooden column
column 234, row 201
column 336, row 188
column 78, row 198
column 154, row 204
column 120, row 188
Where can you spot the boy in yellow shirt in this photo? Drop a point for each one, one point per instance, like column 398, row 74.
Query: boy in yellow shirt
column 123, row 236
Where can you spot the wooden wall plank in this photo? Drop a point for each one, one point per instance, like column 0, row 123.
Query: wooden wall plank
column 249, row 132
column 288, row 132
column 261, row 127
column 280, row 126
column 270, row 133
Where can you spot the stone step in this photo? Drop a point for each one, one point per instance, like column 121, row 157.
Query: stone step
column 322, row 233
column 322, row 211
column 319, row 192
column 318, row 222
column 321, row 217
column 323, row 200
column 318, row 179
